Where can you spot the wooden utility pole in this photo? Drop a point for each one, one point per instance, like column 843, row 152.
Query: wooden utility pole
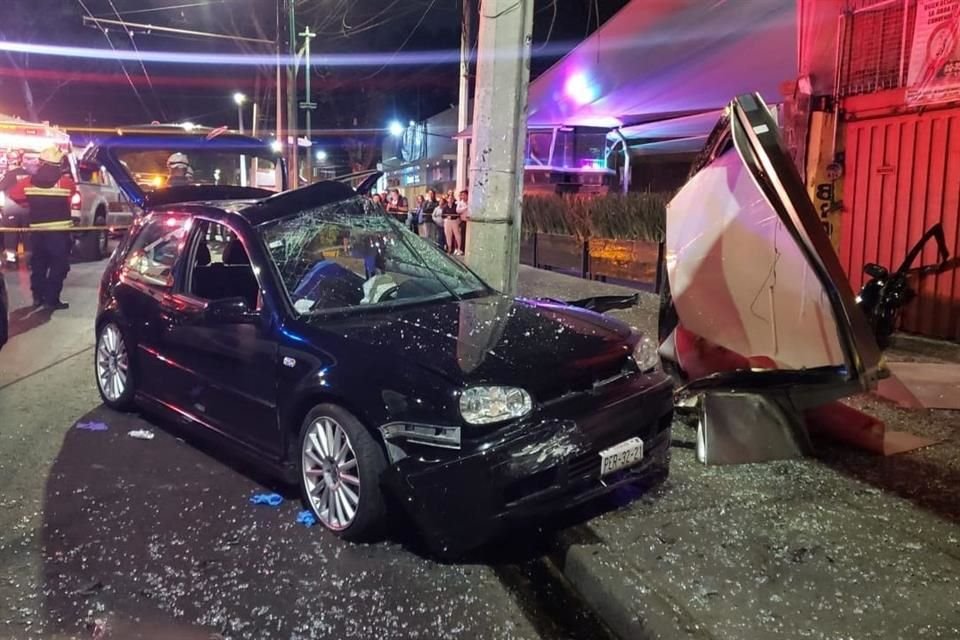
column 499, row 140
column 463, row 105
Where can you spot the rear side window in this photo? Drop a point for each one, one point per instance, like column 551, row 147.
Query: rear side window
column 155, row 250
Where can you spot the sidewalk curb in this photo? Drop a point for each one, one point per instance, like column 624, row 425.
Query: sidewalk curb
column 926, row 346
column 588, row 569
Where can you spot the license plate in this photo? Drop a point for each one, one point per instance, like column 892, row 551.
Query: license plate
column 620, row 456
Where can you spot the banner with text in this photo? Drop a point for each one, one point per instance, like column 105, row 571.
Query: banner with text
column 934, row 73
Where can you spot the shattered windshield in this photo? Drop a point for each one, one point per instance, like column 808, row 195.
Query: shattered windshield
column 349, row 255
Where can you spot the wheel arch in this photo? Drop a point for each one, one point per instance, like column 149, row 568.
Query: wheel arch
column 304, row 402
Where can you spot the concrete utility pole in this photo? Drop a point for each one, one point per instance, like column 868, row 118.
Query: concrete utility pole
column 499, row 139
column 291, row 141
column 279, row 94
column 308, row 105
column 463, row 105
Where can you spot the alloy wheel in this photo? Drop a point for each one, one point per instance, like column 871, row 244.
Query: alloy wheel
column 331, row 473
column 113, row 363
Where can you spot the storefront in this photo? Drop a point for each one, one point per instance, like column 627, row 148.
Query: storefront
column 883, row 159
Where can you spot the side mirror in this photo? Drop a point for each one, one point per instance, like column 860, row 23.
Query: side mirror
column 229, row 311
column 875, row 271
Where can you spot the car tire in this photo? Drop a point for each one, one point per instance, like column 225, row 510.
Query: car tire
column 323, row 475
column 93, row 244
column 113, row 368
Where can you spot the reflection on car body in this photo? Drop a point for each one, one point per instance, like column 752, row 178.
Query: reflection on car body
column 355, row 359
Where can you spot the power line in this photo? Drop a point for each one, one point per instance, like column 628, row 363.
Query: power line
column 136, row 92
column 345, row 27
column 404, row 44
column 203, row 3
column 143, row 66
column 553, row 21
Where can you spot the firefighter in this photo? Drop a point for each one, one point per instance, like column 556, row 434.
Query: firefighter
column 179, row 171
column 48, row 193
column 14, row 211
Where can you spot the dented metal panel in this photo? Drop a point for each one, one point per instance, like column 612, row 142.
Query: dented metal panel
column 757, row 316
column 903, row 176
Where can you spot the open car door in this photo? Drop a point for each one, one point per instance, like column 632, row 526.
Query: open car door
column 757, row 319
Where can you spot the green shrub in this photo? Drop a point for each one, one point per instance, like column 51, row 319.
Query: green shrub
column 631, row 216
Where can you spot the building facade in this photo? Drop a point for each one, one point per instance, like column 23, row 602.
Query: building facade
column 880, row 89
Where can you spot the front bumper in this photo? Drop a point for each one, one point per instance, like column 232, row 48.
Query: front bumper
column 537, row 468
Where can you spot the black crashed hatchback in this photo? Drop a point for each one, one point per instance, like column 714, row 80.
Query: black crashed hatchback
column 354, row 358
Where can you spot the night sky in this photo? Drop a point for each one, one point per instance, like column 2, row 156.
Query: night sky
column 78, row 92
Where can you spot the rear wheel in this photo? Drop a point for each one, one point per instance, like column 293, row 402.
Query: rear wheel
column 340, row 468
column 93, row 244
column 113, row 361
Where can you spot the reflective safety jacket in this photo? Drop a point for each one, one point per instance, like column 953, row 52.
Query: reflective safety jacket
column 48, row 194
column 10, row 180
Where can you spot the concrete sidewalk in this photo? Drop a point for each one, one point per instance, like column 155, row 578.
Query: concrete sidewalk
column 843, row 545
column 40, row 337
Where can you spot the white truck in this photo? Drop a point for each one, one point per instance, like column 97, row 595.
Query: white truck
column 99, row 202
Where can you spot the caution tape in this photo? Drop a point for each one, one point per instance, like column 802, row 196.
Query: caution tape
column 91, row 228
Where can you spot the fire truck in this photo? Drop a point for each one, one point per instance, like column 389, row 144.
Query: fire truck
column 30, row 138
column 98, row 202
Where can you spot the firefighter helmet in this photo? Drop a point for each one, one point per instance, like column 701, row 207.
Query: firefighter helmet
column 178, row 160
column 51, row 155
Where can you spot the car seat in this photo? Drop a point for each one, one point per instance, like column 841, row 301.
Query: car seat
column 235, row 253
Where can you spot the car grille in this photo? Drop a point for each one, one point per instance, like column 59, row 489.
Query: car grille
column 584, row 464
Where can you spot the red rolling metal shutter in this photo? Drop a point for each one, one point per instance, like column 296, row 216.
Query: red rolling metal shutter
column 903, row 176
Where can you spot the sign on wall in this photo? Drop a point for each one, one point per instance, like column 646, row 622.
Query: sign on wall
column 934, row 73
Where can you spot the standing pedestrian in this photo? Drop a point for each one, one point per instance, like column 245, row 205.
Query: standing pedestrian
column 428, row 228
column 451, row 226
column 413, row 218
column 438, row 222
column 15, row 212
column 397, row 205
column 48, row 193
column 463, row 213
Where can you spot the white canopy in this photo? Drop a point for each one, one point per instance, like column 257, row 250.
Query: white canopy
column 666, row 58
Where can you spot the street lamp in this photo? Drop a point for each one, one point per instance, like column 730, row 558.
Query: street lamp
column 239, row 99
column 321, row 155
column 276, row 146
column 395, row 128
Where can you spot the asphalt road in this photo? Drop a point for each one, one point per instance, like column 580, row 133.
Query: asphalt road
column 107, row 536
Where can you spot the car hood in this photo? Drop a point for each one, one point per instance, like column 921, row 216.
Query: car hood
column 754, row 283
column 545, row 347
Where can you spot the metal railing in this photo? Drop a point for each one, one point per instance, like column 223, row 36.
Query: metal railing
column 877, row 37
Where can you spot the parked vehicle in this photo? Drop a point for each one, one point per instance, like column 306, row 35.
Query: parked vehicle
column 355, row 359
column 99, row 202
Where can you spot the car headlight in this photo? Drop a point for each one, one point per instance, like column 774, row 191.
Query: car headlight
column 486, row 405
column 645, row 354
